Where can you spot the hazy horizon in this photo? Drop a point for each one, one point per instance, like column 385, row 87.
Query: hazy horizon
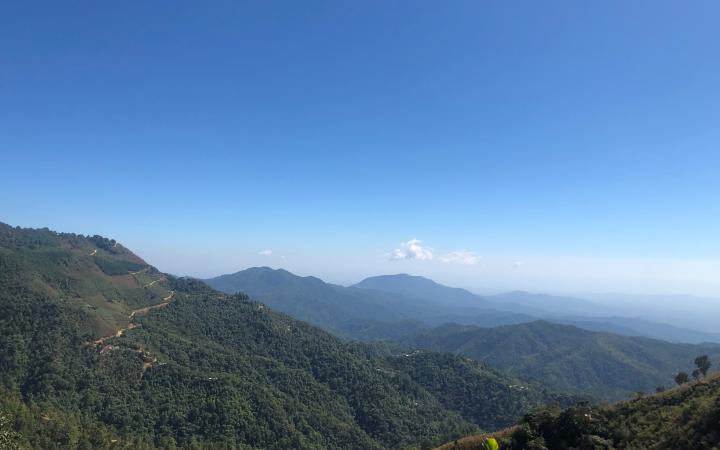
column 490, row 274
column 564, row 148
column 553, row 167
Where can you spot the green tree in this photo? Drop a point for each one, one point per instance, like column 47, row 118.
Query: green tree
column 9, row 439
column 703, row 364
column 682, row 378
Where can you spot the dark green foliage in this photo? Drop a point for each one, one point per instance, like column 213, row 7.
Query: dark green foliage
column 703, row 364
column 102, row 242
column 274, row 373
column 117, row 267
column 9, row 438
column 685, row 417
column 564, row 357
column 681, row 378
column 208, row 370
column 479, row 393
column 42, row 426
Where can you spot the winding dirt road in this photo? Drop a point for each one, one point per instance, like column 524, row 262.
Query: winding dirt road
column 144, row 310
column 166, row 301
column 153, row 282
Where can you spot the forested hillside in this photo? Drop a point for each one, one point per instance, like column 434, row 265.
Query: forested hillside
column 354, row 313
column 100, row 350
column 357, row 312
column 564, row 357
column 686, row 417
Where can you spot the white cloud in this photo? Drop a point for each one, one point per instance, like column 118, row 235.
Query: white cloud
column 461, row 257
column 517, row 264
column 412, row 249
column 265, row 252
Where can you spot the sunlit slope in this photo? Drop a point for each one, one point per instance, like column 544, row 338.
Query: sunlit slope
column 93, row 274
column 96, row 345
column 685, row 417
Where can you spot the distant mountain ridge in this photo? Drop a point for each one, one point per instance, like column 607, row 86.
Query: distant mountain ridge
column 355, row 312
column 562, row 356
column 568, row 358
column 424, row 288
column 520, row 306
column 345, row 311
column 100, row 350
column 388, row 306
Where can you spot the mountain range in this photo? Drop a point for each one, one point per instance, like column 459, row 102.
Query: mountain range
column 98, row 349
column 417, row 313
column 567, row 358
column 390, row 306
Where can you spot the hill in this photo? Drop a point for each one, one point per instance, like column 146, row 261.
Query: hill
column 358, row 312
column 684, row 417
column 564, row 357
column 348, row 312
column 95, row 275
column 391, row 306
column 99, row 350
column 466, row 308
column 560, row 356
column 423, row 288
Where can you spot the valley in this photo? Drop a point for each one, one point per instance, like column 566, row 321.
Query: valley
column 359, row 225
column 201, row 366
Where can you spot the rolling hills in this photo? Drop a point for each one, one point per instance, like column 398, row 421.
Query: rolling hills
column 561, row 356
column 344, row 311
column 568, row 358
column 464, row 307
column 389, row 306
column 684, row 417
column 358, row 312
column 98, row 350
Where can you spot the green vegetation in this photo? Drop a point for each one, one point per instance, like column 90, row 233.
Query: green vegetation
column 566, row 358
column 703, row 365
column 9, row 439
column 117, row 267
column 77, row 273
column 207, row 370
column 684, row 417
column 682, row 378
column 479, row 393
column 347, row 312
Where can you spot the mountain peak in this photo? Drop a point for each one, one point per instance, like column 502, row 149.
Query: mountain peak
column 423, row 288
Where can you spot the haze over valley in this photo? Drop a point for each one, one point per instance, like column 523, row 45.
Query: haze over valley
column 406, row 225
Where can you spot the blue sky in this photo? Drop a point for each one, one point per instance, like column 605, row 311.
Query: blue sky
column 580, row 139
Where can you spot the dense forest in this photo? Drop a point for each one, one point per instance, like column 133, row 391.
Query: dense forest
column 99, row 349
column 400, row 309
column 567, row 358
column 685, row 417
